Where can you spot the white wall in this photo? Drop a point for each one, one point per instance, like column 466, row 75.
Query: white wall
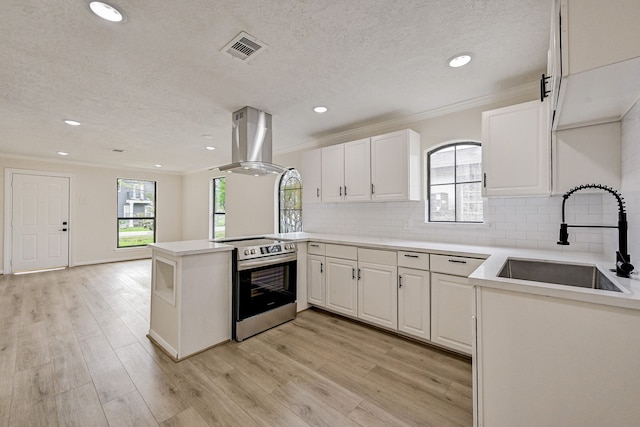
column 250, row 205
column 631, row 177
column 94, row 212
column 196, row 216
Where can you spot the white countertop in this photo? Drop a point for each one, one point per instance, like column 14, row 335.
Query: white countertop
column 487, row 274
column 190, row 247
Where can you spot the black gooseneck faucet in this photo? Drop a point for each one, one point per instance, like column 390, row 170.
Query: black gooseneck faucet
column 623, row 259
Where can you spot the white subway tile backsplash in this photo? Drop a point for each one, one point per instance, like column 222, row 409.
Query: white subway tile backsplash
column 526, row 210
column 518, row 235
column 505, row 210
column 527, row 244
column 526, row 226
column 523, row 222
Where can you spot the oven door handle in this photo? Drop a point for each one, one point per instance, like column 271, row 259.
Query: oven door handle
column 262, row 262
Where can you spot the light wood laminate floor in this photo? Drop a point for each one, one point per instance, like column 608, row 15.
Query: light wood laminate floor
column 74, row 352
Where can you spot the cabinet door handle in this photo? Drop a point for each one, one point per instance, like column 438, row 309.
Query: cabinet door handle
column 411, row 256
column 400, row 281
column 373, row 189
column 317, row 192
column 485, row 180
column 341, row 191
column 543, row 87
column 321, row 268
column 345, row 191
column 313, row 245
column 458, row 261
column 359, row 274
column 353, row 273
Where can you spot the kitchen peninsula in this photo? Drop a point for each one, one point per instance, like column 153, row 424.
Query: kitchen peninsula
column 190, row 296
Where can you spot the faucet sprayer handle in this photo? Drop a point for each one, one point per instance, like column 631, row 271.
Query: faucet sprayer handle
column 623, row 265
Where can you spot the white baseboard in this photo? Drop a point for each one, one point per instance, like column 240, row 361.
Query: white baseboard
column 105, row 261
column 172, row 352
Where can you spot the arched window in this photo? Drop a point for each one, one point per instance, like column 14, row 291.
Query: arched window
column 455, row 183
column 290, row 202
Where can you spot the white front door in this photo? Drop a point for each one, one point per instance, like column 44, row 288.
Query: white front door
column 40, row 222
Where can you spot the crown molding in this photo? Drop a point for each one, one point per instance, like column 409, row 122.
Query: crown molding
column 86, row 164
column 375, row 128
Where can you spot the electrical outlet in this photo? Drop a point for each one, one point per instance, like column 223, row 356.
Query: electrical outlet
column 407, row 224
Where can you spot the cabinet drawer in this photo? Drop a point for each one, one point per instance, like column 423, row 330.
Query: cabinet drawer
column 415, row 260
column 315, row 248
column 341, row 251
column 377, row 256
column 458, row 266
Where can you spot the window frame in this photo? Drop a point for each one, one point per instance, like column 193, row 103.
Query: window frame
column 119, row 218
column 281, row 182
column 454, row 183
column 215, row 213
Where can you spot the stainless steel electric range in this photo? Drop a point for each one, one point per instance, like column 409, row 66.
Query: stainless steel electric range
column 264, row 285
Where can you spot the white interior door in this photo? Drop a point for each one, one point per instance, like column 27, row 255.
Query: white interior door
column 40, row 222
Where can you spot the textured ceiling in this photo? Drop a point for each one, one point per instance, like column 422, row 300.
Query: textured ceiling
column 154, row 84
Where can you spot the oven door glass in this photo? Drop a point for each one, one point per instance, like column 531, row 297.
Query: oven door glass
column 264, row 288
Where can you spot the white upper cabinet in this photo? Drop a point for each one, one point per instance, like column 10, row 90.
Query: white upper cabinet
column 346, row 172
column 516, row 150
column 395, row 166
column 381, row 168
column 599, row 53
column 312, row 176
column 332, row 188
column 357, row 170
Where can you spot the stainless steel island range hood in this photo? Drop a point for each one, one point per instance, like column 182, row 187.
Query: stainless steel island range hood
column 251, row 144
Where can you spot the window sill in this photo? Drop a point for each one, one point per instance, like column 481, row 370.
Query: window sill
column 131, row 248
column 468, row 225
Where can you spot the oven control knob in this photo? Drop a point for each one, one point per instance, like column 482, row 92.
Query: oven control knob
column 286, row 246
column 247, row 252
column 292, row 246
column 253, row 251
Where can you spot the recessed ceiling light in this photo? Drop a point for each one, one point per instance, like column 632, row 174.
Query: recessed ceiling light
column 320, row 109
column 63, row 153
column 72, row 123
column 207, row 136
column 158, row 166
column 459, row 60
column 105, row 11
column 210, row 148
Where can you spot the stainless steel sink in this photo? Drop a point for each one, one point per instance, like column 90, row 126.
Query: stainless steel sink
column 583, row 276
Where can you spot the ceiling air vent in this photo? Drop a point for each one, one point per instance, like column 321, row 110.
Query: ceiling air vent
column 244, row 46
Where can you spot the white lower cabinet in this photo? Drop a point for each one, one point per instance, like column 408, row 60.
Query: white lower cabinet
column 403, row 291
column 451, row 310
column 378, row 294
column 316, row 280
column 378, row 287
column 414, row 300
column 546, row 361
column 342, row 286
